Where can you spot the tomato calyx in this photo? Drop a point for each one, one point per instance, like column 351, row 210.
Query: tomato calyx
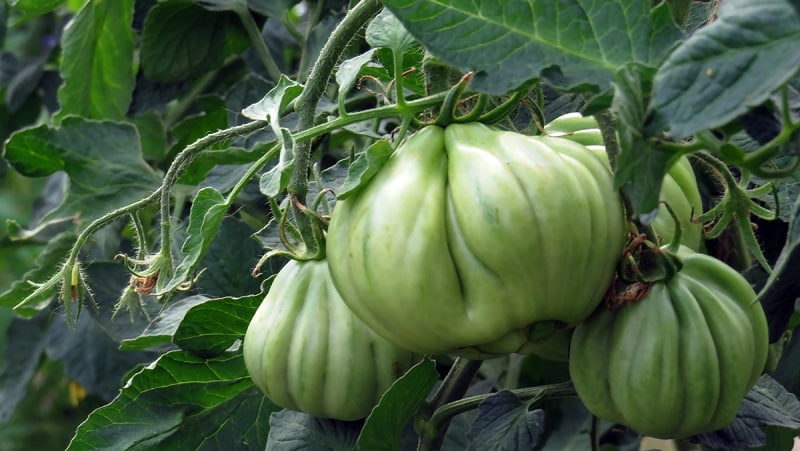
column 643, row 264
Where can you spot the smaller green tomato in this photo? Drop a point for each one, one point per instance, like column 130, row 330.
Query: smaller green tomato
column 679, row 361
column 308, row 352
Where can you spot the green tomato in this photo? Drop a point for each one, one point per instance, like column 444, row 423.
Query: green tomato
column 307, row 351
column 678, row 189
column 469, row 238
column 679, row 361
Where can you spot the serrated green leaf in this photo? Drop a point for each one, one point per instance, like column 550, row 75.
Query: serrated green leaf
column 766, row 404
column 210, row 328
column 504, row 422
column 294, row 431
column 384, row 426
column 102, row 159
column 162, row 329
column 510, row 42
column 348, row 72
column 388, row 32
column 181, row 40
column 97, row 61
column 269, row 109
column 640, row 167
column 181, row 401
column 274, row 102
column 205, row 218
column 364, row 168
column 47, row 264
column 751, row 49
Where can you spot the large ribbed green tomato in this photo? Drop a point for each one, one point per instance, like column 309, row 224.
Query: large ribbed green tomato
column 679, row 187
column 469, row 237
column 679, row 361
column 308, row 352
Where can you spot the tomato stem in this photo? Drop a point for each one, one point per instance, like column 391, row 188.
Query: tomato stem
column 531, row 395
column 306, row 105
column 453, row 387
column 259, row 45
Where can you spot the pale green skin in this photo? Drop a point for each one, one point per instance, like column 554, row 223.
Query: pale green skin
column 679, row 361
column 679, row 187
column 468, row 236
column 308, row 352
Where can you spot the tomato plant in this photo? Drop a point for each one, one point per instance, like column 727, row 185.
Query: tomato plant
column 495, row 191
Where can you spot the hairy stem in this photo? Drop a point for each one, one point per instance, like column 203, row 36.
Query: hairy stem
column 98, row 223
column 317, row 82
column 180, row 163
column 607, row 125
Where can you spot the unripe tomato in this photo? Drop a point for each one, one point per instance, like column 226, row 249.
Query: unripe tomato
column 308, row 352
column 679, row 361
column 679, row 187
column 469, row 238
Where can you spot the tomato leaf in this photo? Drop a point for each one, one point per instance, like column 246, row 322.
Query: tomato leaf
column 90, row 354
column 161, row 330
column 787, row 372
column 388, row 32
column 512, row 42
column 224, row 5
column 229, row 262
column 289, row 431
column 97, row 61
column 766, row 404
column 364, row 168
column 25, row 81
column 269, row 109
column 25, row 344
column 181, row 40
column 271, row 8
column 102, row 159
column 212, row 327
column 181, row 401
column 385, row 425
column 31, row 8
column 348, row 72
column 783, row 288
column 205, row 218
column 504, row 422
column 640, row 167
column 153, row 136
column 734, row 63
